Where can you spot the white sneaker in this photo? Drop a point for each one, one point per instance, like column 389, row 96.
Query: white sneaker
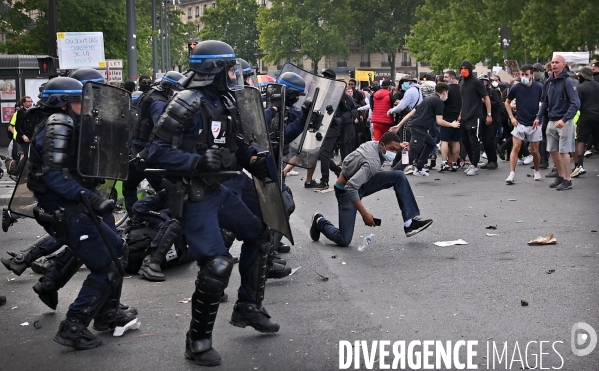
column 578, row 172
column 484, row 155
column 473, row 171
column 519, row 162
column 588, row 153
column 292, row 173
column 409, row 170
column 468, row 168
column 510, row 178
column 420, row 173
column 527, row 160
column 537, row 175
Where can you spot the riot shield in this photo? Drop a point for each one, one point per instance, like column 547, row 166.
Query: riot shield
column 104, row 132
column 134, row 117
column 256, row 133
column 275, row 97
column 22, row 201
column 325, row 95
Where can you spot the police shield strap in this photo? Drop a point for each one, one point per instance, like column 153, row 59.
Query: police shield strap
column 255, row 133
column 304, row 150
column 104, row 132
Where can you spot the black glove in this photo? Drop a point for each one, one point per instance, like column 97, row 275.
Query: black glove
column 211, row 161
column 337, row 121
column 101, row 205
column 259, row 168
column 306, row 106
column 315, row 121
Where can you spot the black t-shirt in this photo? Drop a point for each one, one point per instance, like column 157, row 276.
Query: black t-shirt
column 472, row 90
column 453, row 104
column 427, row 112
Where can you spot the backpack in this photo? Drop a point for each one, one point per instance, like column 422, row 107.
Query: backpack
column 26, row 124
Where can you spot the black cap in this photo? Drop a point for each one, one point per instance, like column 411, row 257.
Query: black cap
column 386, row 83
column 329, row 74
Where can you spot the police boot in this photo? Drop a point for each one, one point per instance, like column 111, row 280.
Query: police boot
column 48, row 285
column 7, row 219
column 213, row 278
column 73, row 333
column 277, row 258
column 278, row 243
column 253, row 281
column 19, row 262
column 275, row 269
column 165, row 238
column 110, row 318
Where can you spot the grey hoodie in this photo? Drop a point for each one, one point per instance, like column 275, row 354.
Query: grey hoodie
column 361, row 165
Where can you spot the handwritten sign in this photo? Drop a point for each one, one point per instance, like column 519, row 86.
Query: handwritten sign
column 81, row 49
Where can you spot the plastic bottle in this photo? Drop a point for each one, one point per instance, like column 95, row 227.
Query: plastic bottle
column 405, row 158
column 367, row 241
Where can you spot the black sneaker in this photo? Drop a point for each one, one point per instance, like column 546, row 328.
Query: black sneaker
column 73, row 333
column 314, row 231
column 556, row 182
column 7, row 219
column 566, row 184
column 311, row 184
column 417, row 226
column 552, row 174
column 544, row 164
column 323, row 184
column 489, row 166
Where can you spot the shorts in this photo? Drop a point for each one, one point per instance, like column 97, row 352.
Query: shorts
column 527, row 133
column 561, row 139
column 450, row 134
column 587, row 127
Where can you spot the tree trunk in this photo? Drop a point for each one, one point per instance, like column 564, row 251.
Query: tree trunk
column 391, row 57
column 315, row 65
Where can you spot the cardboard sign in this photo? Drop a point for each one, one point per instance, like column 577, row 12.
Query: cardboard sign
column 81, row 49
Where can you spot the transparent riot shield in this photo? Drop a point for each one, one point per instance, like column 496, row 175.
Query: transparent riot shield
column 256, row 133
column 104, row 132
column 22, row 201
column 275, row 97
column 325, row 95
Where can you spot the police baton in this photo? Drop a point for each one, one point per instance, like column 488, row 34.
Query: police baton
column 94, row 218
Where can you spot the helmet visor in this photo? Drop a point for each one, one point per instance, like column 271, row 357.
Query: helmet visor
column 234, row 75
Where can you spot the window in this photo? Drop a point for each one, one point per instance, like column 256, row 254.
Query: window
column 189, row 13
column 205, row 7
column 341, row 62
column 385, row 60
column 406, row 60
column 213, row 5
column 197, row 11
column 365, row 60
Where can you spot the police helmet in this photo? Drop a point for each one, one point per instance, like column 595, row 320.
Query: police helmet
column 484, row 77
column 87, row 74
column 170, row 81
column 60, row 91
column 294, row 86
column 212, row 63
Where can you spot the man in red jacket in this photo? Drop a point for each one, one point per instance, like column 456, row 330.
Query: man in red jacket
column 381, row 103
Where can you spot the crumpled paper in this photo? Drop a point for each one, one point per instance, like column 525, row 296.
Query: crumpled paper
column 549, row 240
column 451, row 243
column 132, row 325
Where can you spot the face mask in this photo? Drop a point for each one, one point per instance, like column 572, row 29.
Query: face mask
column 494, row 84
column 539, row 76
column 448, row 83
column 525, row 80
column 445, row 97
column 405, row 86
column 389, row 156
column 465, row 73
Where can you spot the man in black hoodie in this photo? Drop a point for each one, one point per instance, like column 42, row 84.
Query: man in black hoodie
column 473, row 94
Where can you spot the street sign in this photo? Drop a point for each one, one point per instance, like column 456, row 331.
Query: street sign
column 114, row 63
column 80, row 49
column 115, row 75
column 362, row 75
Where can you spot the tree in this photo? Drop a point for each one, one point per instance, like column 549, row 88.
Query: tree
column 291, row 29
column 234, row 22
column 384, row 25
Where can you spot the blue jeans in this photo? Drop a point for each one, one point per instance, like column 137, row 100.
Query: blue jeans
column 347, row 210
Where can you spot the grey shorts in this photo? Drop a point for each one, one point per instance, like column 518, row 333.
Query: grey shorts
column 527, row 133
column 562, row 139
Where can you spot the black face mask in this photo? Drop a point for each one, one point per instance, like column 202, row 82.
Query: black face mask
column 145, row 85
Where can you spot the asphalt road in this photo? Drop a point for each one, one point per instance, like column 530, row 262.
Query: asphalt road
column 398, row 288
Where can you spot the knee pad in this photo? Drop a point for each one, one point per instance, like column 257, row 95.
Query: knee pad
column 214, row 274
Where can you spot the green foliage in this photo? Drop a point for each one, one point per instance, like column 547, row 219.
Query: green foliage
column 234, row 22
column 291, row 29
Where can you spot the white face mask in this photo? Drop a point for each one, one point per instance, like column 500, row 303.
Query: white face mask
column 389, row 156
column 494, row 84
column 444, row 98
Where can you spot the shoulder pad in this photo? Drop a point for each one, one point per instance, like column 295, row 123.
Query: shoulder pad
column 60, row 119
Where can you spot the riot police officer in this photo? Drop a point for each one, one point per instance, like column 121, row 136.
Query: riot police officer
column 58, row 188
column 196, row 139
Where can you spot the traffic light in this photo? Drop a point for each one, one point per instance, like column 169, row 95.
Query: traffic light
column 352, row 74
column 191, row 46
column 46, row 65
column 504, row 37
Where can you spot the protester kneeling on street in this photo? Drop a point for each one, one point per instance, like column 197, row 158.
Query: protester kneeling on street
column 361, row 176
